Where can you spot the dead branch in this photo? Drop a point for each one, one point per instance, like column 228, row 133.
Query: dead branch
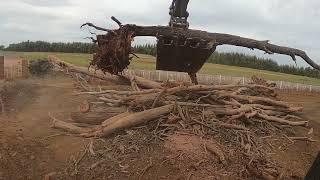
column 242, row 109
column 134, row 84
column 181, row 113
column 143, row 82
column 128, row 93
column 255, row 99
column 198, row 105
column 283, row 121
column 157, row 99
column 232, row 126
column 287, row 110
column 303, row 139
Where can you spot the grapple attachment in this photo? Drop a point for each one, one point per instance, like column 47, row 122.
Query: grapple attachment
column 183, row 54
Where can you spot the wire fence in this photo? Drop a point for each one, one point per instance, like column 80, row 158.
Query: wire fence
column 217, row 79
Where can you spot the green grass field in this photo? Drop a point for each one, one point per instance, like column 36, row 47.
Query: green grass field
column 148, row 62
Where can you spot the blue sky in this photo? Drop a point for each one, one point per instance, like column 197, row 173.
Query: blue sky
column 290, row 23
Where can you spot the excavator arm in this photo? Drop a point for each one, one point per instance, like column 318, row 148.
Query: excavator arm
column 179, row 14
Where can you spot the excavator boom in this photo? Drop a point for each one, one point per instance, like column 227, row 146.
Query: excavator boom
column 179, row 14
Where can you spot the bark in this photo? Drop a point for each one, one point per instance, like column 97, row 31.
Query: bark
column 130, row 121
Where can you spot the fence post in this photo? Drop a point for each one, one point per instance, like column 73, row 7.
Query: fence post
column 159, row 76
column 243, row 81
column 220, row 79
column 1, row 67
column 310, row 88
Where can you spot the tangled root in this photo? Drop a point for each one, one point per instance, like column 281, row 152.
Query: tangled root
column 113, row 51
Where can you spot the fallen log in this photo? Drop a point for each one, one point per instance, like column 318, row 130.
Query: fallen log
column 96, row 116
column 114, row 119
column 130, row 121
column 242, row 109
column 69, row 127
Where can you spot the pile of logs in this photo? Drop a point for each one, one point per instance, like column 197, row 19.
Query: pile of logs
column 236, row 107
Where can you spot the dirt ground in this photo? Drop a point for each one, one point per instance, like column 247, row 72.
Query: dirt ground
column 31, row 149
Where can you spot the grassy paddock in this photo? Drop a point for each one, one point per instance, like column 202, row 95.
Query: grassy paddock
column 148, row 62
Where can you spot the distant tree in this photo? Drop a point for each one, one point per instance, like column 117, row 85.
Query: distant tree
column 2, row 47
column 42, row 46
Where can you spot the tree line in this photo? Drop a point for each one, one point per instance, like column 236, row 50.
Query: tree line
column 42, row 46
column 232, row 59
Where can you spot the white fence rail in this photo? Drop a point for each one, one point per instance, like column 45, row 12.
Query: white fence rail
column 217, row 79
